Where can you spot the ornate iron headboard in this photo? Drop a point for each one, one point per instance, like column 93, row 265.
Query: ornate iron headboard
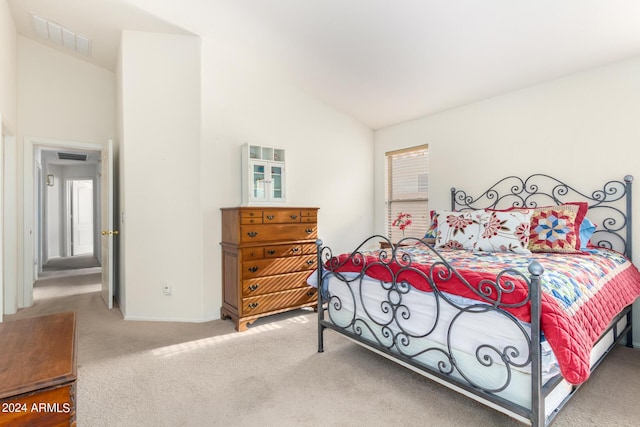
column 609, row 207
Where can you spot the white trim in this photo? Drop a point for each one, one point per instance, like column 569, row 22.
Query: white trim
column 10, row 225
column 172, row 319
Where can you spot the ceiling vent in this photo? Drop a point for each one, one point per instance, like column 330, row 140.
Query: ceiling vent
column 72, row 156
column 62, row 36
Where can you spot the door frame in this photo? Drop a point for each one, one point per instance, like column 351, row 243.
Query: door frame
column 2, row 177
column 10, row 234
column 29, row 203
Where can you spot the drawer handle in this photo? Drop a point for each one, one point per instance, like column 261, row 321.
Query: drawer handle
column 310, row 262
column 252, row 233
column 253, row 269
column 295, row 250
column 310, row 293
column 308, row 230
column 253, row 287
column 293, row 216
column 253, row 304
column 271, row 252
column 270, row 217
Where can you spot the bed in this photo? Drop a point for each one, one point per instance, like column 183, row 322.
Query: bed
column 512, row 298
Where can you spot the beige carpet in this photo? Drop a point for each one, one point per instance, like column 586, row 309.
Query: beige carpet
column 70, row 266
column 135, row 373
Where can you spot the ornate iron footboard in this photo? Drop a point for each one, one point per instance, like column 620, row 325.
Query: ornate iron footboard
column 383, row 327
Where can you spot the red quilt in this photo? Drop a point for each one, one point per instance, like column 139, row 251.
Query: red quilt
column 581, row 293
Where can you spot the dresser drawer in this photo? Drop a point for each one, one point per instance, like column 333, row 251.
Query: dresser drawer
column 277, row 251
column 309, row 248
column 308, row 215
column 281, row 217
column 278, row 300
column 249, row 254
column 251, row 217
column 269, row 267
column 249, row 220
column 274, row 232
column 280, row 282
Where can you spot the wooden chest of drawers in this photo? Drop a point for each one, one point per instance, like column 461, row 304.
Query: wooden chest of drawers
column 38, row 371
column 267, row 255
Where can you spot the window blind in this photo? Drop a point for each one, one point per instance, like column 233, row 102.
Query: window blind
column 407, row 192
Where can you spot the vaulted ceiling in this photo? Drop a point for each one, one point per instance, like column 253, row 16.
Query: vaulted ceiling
column 380, row 61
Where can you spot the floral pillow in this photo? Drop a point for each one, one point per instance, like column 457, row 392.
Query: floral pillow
column 556, row 228
column 457, row 230
column 502, row 231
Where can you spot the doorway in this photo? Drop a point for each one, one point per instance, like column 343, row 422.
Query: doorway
column 79, row 217
column 66, row 209
column 70, row 199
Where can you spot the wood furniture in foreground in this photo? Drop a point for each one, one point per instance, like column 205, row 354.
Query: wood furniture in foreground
column 387, row 245
column 267, row 254
column 38, row 371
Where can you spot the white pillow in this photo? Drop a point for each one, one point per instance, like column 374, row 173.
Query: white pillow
column 458, row 230
column 504, row 231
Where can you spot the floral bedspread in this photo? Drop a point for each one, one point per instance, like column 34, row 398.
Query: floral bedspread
column 581, row 293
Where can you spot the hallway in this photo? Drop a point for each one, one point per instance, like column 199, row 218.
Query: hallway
column 65, row 276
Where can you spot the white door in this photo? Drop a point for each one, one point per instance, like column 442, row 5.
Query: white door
column 108, row 233
column 82, row 216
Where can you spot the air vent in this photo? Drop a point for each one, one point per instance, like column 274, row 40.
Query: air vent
column 62, row 36
column 72, row 156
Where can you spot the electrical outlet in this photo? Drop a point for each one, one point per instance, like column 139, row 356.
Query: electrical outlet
column 166, row 289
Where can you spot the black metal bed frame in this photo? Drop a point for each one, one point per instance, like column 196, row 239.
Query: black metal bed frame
column 390, row 339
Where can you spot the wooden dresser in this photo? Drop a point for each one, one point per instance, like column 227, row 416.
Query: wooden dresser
column 38, row 371
column 267, row 255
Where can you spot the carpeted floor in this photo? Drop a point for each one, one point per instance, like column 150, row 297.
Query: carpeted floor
column 70, row 266
column 134, row 373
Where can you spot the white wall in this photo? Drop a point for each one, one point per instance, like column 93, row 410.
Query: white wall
column 172, row 228
column 245, row 98
column 8, row 69
column 160, row 162
column 329, row 155
column 582, row 129
column 53, row 238
column 8, row 127
column 60, row 98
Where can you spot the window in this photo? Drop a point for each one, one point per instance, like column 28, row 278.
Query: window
column 407, row 192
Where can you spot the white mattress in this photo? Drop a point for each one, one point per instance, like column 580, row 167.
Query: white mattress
column 470, row 331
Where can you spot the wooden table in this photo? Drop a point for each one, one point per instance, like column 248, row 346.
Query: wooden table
column 38, row 371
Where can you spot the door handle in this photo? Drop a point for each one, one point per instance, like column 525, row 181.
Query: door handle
column 110, row 232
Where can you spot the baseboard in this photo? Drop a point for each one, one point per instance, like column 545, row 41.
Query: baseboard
column 171, row 319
